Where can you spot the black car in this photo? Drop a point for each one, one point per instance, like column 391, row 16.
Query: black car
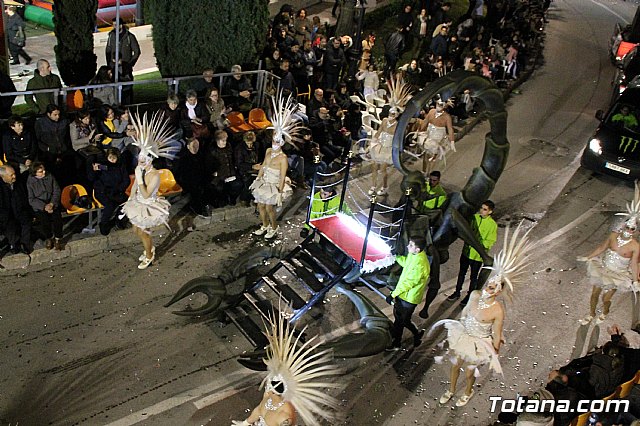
column 614, row 148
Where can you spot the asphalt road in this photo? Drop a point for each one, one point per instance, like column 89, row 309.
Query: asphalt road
column 89, row 342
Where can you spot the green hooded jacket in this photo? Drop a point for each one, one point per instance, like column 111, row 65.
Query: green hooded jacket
column 414, row 278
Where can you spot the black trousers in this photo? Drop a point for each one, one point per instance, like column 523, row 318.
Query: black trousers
column 111, row 204
column 17, row 231
column 17, row 52
column 402, row 312
column 465, row 264
column 50, row 224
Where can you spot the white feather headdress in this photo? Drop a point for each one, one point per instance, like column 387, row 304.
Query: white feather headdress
column 508, row 266
column 154, row 136
column 285, row 125
column 302, row 370
column 399, row 93
column 633, row 209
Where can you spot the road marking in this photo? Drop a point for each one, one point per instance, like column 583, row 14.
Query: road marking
column 568, row 227
column 622, row 18
column 237, row 379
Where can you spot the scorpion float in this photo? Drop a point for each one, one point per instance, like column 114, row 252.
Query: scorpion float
column 231, row 288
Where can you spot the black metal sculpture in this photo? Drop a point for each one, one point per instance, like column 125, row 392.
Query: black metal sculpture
column 448, row 224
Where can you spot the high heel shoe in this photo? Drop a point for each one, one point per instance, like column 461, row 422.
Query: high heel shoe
column 143, row 256
column 146, row 262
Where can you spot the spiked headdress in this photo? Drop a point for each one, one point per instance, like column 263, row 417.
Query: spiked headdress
column 154, row 136
column 298, row 372
column 286, row 127
column 399, row 93
column 633, row 209
column 508, row 266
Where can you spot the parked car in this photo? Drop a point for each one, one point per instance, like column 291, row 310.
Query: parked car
column 614, row 148
column 622, row 42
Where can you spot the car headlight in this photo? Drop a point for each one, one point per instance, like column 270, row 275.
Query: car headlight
column 595, row 146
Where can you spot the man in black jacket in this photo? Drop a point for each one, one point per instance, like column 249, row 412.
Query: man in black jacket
column 128, row 54
column 248, row 165
column 19, row 145
column 52, row 133
column 15, row 212
column 393, row 48
column 333, row 60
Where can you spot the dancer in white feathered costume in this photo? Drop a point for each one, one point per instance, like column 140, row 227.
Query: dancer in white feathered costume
column 145, row 209
column 270, row 187
column 295, row 384
column 475, row 339
column 435, row 136
column 381, row 146
column 613, row 265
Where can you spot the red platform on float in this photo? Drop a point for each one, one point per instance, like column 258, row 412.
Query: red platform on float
column 348, row 234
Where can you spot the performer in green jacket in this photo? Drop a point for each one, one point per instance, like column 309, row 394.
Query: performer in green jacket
column 409, row 291
column 435, row 192
column 486, row 230
column 326, row 202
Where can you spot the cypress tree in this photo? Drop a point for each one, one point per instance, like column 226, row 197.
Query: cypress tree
column 191, row 35
column 75, row 21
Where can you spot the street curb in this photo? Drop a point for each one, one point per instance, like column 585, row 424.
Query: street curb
column 120, row 238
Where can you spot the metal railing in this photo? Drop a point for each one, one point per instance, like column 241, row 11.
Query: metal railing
column 263, row 80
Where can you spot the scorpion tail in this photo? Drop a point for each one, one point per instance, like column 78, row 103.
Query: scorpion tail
column 212, row 287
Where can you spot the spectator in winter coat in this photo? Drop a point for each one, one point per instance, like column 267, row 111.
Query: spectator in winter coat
column 52, row 134
column 129, row 52
column 15, row 212
column 222, row 166
column 333, row 61
column 194, row 116
column 42, row 79
column 191, row 174
column 439, row 44
column 240, row 89
column 6, row 102
column 20, row 147
column 13, row 25
column 248, row 159
column 44, row 199
column 393, row 47
column 110, row 181
column 107, row 94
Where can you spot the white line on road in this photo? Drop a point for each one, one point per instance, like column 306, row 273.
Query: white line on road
column 622, row 18
column 236, row 379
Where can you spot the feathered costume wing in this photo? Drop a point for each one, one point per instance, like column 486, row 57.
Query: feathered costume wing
column 399, row 93
column 154, row 136
column 303, row 370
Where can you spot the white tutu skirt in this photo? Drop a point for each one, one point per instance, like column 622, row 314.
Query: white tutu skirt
column 609, row 278
column 474, row 351
column 147, row 213
column 434, row 142
column 381, row 149
column 265, row 190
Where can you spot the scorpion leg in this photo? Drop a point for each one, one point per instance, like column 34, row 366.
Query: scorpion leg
column 212, row 287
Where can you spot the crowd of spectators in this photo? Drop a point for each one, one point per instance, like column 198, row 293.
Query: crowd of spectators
column 594, row 376
column 93, row 146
